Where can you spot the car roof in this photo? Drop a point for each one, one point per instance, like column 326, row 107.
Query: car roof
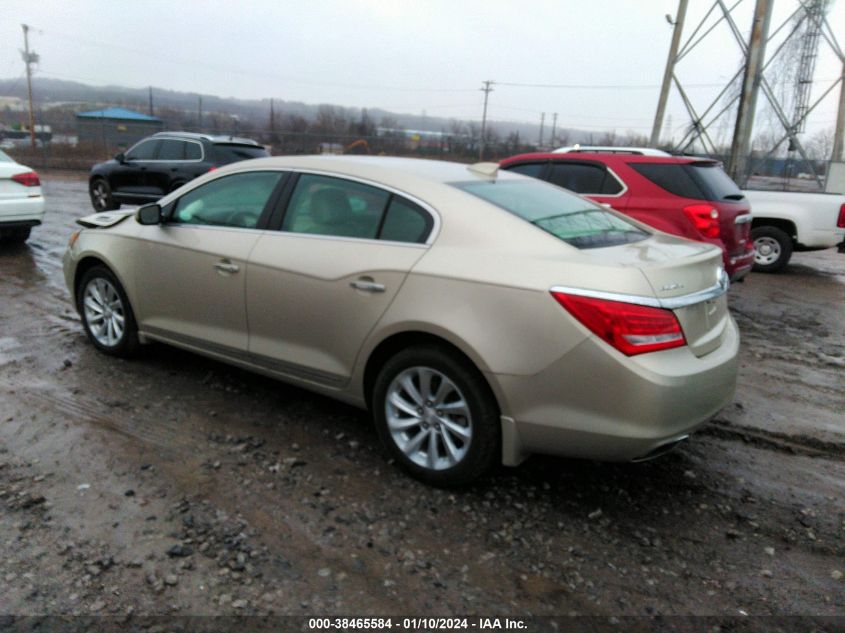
column 218, row 138
column 389, row 170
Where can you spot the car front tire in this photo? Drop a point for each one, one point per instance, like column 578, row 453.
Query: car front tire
column 106, row 313
column 101, row 196
column 437, row 416
column 772, row 249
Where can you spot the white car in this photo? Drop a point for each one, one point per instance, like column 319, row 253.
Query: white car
column 21, row 201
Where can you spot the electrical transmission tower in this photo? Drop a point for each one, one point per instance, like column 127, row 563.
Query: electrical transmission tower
column 805, row 28
column 814, row 13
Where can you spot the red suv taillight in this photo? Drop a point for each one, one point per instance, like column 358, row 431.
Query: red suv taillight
column 840, row 222
column 705, row 218
column 632, row 329
column 27, row 179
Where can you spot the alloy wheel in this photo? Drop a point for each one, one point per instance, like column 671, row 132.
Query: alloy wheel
column 428, row 418
column 104, row 312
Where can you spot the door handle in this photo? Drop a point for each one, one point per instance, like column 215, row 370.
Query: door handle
column 367, row 286
column 225, row 266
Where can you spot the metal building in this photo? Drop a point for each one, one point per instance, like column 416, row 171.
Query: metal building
column 115, row 129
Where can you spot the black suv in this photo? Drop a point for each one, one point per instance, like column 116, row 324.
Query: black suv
column 160, row 163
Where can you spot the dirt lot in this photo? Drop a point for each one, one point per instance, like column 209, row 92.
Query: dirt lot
column 175, row 484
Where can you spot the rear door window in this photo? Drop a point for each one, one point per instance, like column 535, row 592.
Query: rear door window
column 171, row 150
column 322, row 205
column 568, row 217
column 583, row 178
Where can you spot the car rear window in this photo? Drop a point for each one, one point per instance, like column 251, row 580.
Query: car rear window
column 716, row 182
column 701, row 181
column 233, row 153
column 568, row 217
column 5, row 158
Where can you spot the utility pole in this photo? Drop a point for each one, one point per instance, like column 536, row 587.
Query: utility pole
column 670, row 70
column 486, row 90
column 29, row 59
column 837, row 154
column 272, row 117
column 554, row 127
column 741, row 145
column 151, row 100
column 199, row 113
column 542, row 124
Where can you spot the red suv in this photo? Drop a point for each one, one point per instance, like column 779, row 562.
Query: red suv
column 686, row 196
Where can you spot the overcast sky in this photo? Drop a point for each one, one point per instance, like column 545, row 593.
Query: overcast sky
column 406, row 56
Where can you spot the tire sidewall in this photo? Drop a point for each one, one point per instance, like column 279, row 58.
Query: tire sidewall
column 485, row 442
column 785, row 248
column 129, row 341
column 110, row 204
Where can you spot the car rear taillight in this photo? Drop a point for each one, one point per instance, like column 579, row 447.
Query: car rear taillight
column 705, row 218
column 632, row 329
column 840, row 222
column 27, row 179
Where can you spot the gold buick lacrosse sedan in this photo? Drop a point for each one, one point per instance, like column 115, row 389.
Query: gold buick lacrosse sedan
column 480, row 315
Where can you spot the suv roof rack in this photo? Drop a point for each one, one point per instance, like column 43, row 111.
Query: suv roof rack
column 599, row 149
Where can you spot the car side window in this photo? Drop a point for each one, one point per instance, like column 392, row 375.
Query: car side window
column 171, row 150
column 193, row 151
column 145, row 150
column 584, row 179
column 405, row 222
column 235, row 201
column 322, row 205
column 535, row 170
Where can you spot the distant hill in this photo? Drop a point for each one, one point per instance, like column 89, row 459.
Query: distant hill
column 53, row 93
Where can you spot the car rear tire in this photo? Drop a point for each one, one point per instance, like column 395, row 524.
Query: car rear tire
column 437, row 416
column 101, row 196
column 106, row 313
column 17, row 235
column 772, row 249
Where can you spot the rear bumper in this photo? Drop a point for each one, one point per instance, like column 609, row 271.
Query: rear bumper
column 738, row 266
column 623, row 408
column 20, row 212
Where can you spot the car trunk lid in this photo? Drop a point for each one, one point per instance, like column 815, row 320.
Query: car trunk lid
column 685, row 277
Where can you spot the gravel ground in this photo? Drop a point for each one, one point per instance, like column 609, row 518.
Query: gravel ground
column 173, row 484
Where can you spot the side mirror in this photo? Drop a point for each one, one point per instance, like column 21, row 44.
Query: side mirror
column 120, row 158
column 149, row 214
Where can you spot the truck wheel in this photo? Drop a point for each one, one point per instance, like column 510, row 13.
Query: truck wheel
column 772, row 249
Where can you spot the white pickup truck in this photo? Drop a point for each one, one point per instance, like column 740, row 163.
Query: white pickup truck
column 788, row 221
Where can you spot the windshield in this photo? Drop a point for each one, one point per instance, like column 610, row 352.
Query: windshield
column 568, row 217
